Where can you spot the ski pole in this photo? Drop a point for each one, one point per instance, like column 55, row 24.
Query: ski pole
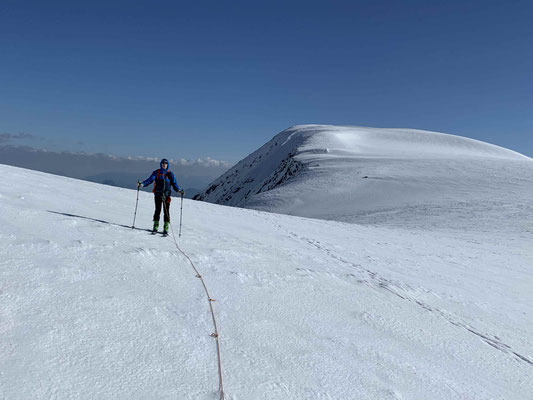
column 181, row 211
column 136, row 203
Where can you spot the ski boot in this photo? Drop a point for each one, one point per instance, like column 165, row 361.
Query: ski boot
column 155, row 228
column 165, row 228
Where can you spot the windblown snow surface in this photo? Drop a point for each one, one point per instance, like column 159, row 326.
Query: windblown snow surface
column 425, row 291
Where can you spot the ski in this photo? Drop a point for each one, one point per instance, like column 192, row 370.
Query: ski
column 163, row 234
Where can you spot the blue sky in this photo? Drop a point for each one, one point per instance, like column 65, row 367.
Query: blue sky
column 219, row 79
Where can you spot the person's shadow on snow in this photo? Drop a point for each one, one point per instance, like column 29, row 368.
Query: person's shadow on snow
column 98, row 220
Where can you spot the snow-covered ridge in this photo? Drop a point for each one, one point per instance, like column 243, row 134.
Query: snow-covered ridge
column 341, row 172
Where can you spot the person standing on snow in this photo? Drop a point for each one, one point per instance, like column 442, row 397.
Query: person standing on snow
column 164, row 182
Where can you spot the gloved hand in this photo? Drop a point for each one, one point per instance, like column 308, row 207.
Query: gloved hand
column 182, row 192
column 139, row 184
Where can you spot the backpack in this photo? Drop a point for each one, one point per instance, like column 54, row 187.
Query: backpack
column 157, row 177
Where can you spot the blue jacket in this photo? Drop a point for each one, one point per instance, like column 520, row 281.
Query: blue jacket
column 164, row 181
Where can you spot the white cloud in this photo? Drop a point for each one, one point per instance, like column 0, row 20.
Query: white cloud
column 142, row 158
column 206, row 162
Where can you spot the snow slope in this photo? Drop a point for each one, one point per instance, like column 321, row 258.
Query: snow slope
column 369, row 175
column 307, row 308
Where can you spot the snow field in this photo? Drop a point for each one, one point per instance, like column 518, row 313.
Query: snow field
column 308, row 309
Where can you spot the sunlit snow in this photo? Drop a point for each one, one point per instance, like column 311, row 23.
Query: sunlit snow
column 416, row 283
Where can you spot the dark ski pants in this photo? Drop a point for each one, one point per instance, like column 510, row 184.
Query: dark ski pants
column 158, row 198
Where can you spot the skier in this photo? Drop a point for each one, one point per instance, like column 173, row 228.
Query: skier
column 164, row 182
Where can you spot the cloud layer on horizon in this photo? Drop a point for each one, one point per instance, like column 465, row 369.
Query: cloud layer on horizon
column 207, row 162
column 105, row 168
column 6, row 137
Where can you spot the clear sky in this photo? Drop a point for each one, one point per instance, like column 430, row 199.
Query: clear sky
column 219, row 78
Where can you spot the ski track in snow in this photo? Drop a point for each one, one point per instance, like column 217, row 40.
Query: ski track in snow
column 372, row 279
